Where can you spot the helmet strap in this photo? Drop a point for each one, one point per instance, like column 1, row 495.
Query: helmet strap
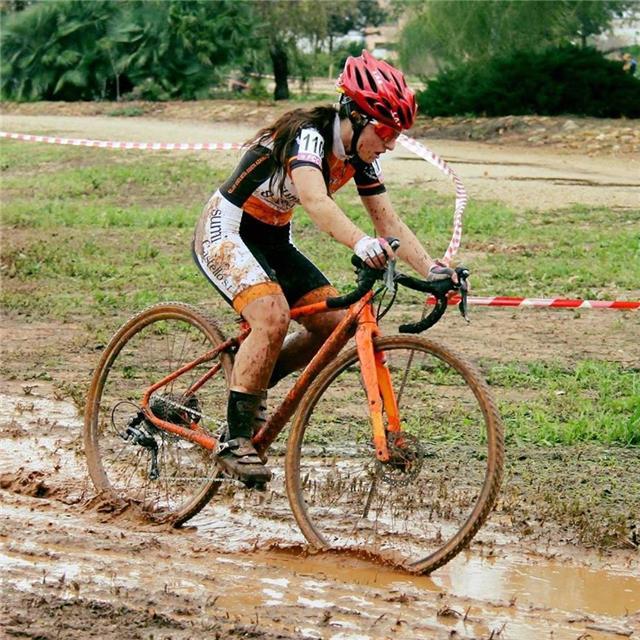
column 358, row 121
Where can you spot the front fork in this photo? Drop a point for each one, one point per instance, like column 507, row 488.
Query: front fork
column 377, row 383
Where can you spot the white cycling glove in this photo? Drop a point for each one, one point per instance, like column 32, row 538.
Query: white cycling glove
column 374, row 251
column 440, row 271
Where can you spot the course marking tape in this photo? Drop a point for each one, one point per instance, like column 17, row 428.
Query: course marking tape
column 461, row 193
column 114, row 144
column 556, row 303
column 409, row 143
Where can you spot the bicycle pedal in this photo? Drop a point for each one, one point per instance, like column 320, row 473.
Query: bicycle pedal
column 255, row 486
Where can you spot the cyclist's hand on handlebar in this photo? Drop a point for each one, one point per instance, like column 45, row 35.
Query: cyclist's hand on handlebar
column 375, row 252
column 440, row 271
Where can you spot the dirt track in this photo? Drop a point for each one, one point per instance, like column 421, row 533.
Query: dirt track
column 73, row 569
column 511, row 174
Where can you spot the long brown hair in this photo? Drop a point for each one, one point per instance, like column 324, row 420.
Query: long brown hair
column 282, row 133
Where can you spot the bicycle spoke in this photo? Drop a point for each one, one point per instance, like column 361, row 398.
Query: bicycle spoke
column 370, row 496
column 404, row 378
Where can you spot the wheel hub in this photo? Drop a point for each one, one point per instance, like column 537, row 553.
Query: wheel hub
column 405, row 459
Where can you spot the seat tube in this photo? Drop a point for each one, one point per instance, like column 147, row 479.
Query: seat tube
column 367, row 326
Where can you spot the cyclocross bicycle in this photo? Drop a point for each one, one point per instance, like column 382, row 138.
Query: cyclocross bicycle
column 396, row 446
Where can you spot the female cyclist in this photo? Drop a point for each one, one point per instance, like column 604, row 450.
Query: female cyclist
column 243, row 241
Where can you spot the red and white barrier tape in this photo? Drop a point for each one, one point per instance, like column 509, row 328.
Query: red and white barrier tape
column 405, row 141
column 557, row 303
column 114, row 144
column 461, row 194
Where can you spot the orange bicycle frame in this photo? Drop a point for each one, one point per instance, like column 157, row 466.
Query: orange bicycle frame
column 375, row 375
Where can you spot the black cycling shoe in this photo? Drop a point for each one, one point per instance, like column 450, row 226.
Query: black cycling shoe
column 239, row 459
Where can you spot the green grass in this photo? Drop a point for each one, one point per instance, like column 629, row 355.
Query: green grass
column 591, row 402
column 94, row 233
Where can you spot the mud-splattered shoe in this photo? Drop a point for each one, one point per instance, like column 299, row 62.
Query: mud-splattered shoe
column 239, row 459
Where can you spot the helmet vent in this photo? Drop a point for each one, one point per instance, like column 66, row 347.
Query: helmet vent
column 372, row 82
column 359, row 78
column 385, row 112
column 372, row 102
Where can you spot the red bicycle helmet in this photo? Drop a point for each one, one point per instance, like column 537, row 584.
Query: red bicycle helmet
column 379, row 91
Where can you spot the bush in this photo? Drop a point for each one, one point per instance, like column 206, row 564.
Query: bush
column 563, row 80
column 78, row 50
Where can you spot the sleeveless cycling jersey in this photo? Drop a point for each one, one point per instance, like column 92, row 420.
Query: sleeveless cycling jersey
column 243, row 239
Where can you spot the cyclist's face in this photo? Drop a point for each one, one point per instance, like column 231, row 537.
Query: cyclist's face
column 375, row 140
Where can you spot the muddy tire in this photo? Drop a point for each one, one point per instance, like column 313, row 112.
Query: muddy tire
column 145, row 349
column 419, row 515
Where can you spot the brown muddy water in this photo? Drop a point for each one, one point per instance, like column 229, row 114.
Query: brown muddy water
column 241, row 568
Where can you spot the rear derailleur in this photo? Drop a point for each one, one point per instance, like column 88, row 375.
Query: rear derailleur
column 141, row 431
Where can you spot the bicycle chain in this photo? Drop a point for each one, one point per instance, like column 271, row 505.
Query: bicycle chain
column 193, row 412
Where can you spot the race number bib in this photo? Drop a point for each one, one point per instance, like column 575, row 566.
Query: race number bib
column 310, row 147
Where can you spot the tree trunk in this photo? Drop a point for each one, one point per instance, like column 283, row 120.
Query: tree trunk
column 280, row 62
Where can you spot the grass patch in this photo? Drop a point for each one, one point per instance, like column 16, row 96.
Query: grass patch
column 592, row 402
column 117, row 198
column 127, row 112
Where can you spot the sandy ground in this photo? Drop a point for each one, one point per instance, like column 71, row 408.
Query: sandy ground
column 71, row 568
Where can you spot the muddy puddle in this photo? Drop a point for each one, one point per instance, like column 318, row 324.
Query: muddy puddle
column 242, row 566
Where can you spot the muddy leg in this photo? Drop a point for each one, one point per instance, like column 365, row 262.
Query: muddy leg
column 269, row 319
column 301, row 346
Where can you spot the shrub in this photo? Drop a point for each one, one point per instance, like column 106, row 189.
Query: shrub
column 562, row 80
column 79, row 50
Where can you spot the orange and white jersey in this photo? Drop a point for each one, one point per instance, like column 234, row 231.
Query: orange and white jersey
column 253, row 186
column 243, row 241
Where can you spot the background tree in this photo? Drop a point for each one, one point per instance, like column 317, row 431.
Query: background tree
column 179, row 48
column 584, row 18
column 280, row 24
column 451, row 32
column 76, row 50
column 283, row 24
column 352, row 16
column 53, row 51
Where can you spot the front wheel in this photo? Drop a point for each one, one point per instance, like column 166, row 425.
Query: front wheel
column 130, row 460
column 425, row 505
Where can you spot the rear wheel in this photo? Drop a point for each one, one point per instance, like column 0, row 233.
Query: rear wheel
column 423, row 507
column 130, row 460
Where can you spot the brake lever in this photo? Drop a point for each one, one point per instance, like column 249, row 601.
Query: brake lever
column 463, row 286
column 389, row 278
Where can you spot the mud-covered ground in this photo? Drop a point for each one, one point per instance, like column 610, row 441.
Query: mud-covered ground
column 72, row 567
